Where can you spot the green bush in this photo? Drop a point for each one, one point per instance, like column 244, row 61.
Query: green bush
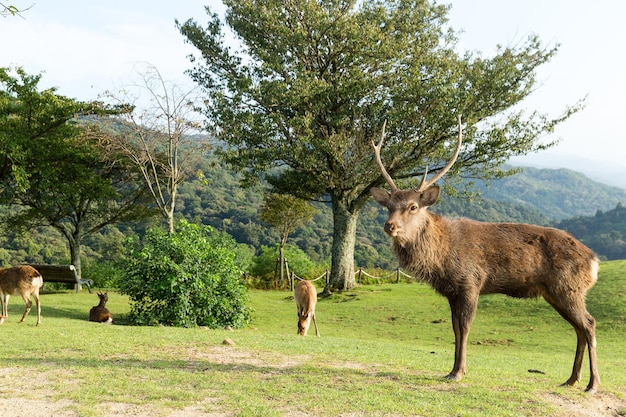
column 190, row 278
column 104, row 274
column 264, row 268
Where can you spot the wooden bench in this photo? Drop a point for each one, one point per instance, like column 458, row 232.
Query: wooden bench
column 62, row 273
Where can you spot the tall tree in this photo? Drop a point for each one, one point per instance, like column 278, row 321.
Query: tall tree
column 156, row 136
column 286, row 213
column 312, row 81
column 54, row 169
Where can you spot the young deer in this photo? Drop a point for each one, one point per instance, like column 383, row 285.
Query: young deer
column 306, row 298
column 23, row 280
column 462, row 259
column 99, row 313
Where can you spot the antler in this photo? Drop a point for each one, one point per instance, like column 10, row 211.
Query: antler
column 377, row 148
column 425, row 184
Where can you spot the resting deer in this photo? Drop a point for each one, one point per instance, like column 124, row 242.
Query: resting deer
column 462, row 259
column 306, row 298
column 23, row 280
column 99, row 313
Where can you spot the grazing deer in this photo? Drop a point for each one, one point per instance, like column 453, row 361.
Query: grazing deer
column 99, row 313
column 462, row 259
column 23, row 280
column 306, row 298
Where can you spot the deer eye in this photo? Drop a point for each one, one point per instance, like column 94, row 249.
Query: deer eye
column 413, row 208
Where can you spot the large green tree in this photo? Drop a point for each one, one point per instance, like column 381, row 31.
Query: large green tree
column 309, row 83
column 53, row 169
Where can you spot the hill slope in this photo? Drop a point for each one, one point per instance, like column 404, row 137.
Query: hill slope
column 557, row 193
column 538, row 196
column 605, row 232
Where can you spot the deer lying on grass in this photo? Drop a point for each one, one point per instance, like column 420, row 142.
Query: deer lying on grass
column 462, row 259
column 306, row 298
column 23, row 280
column 99, row 313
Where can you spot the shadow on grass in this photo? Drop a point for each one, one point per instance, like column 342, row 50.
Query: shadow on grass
column 16, row 310
column 64, row 313
column 339, row 375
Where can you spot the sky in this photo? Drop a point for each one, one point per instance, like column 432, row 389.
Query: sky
column 86, row 47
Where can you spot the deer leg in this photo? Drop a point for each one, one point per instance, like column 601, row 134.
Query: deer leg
column 584, row 324
column 586, row 332
column 463, row 312
column 28, row 306
column 594, row 379
column 36, row 297
column 4, row 300
column 317, row 332
column 581, row 345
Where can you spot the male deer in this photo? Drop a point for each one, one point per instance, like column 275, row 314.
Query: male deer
column 23, row 280
column 462, row 259
column 306, row 298
column 99, row 313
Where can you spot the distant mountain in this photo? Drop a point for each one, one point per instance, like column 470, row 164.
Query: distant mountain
column 601, row 171
column 556, row 193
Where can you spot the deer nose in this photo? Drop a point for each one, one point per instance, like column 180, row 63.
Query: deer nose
column 389, row 227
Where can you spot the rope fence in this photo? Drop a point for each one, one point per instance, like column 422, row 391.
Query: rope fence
column 359, row 274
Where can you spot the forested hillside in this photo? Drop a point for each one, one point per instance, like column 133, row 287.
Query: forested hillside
column 225, row 205
column 215, row 198
column 557, row 193
column 605, row 232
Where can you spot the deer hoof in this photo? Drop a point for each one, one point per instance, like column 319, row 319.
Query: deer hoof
column 569, row 383
column 592, row 389
column 453, row 377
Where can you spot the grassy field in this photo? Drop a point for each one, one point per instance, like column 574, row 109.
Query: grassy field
column 383, row 352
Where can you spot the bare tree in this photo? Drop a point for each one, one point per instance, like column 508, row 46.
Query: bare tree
column 159, row 134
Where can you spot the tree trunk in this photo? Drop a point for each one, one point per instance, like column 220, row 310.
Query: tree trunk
column 281, row 261
column 172, row 208
column 170, row 222
column 344, row 238
column 74, row 244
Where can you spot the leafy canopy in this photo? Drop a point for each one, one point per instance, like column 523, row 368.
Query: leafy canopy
column 312, row 82
column 52, row 167
column 286, row 213
column 28, row 115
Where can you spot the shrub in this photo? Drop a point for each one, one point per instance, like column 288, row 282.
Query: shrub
column 186, row 279
column 105, row 274
column 264, row 268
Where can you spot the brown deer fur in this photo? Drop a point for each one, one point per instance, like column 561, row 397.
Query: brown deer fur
column 463, row 259
column 23, row 280
column 306, row 298
column 99, row 313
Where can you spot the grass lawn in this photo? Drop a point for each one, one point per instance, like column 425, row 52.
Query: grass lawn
column 383, row 352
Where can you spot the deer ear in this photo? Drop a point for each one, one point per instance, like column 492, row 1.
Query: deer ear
column 381, row 196
column 429, row 196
